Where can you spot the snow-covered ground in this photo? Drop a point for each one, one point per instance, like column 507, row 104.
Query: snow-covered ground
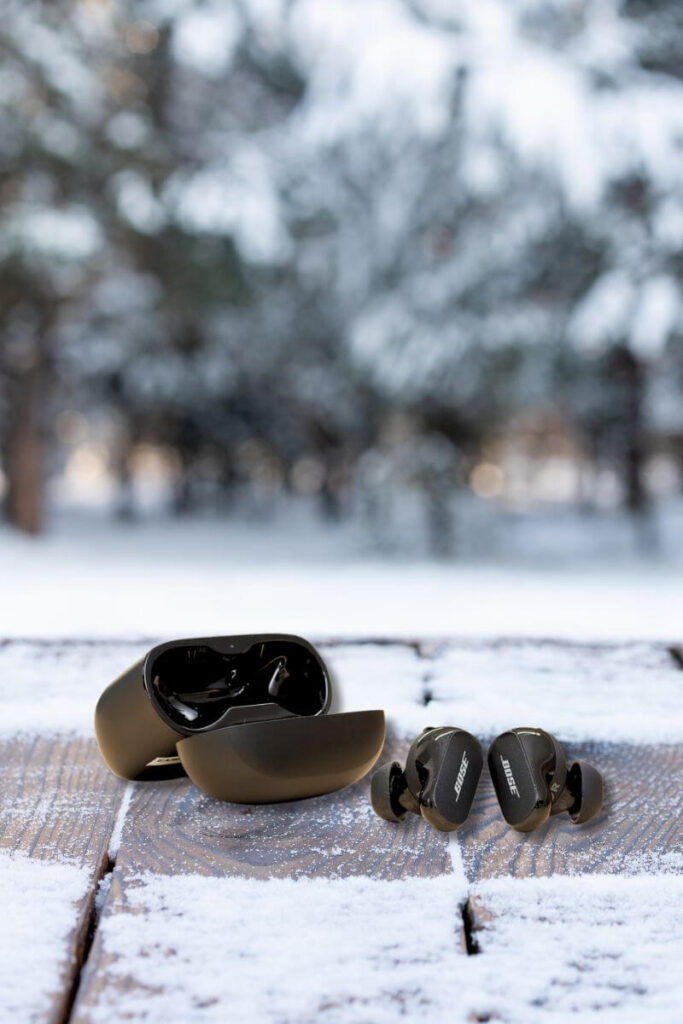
column 88, row 577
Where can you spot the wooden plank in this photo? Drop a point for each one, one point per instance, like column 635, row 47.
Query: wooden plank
column 638, row 829
column 177, row 844
column 172, row 830
column 58, row 805
column 173, row 827
column 57, row 799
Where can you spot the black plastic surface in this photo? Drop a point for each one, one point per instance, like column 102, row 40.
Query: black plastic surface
column 199, row 685
column 519, row 761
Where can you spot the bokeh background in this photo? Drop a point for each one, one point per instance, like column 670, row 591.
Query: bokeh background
column 356, row 315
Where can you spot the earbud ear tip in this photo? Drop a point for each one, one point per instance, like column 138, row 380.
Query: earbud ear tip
column 585, row 782
column 388, row 783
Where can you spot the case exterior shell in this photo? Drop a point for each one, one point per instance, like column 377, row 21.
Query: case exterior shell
column 129, row 731
column 284, row 759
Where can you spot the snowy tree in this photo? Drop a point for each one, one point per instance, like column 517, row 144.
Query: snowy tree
column 50, row 239
column 520, row 182
column 252, row 233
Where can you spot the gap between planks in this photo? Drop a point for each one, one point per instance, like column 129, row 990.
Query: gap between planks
column 95, row 903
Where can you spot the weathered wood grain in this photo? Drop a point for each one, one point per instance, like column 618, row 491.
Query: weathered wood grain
column 57, row 799
column 172, row 829
column 638, row 830
column 58, row 803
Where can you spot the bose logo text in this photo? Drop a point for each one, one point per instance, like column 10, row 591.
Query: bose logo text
column 509, row 776
column 462, row 772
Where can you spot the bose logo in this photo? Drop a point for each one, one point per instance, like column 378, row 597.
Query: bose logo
column 509, row 776
column 462, row 772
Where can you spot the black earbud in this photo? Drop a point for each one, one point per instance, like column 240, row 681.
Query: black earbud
column 439, row 782
column 532, row 782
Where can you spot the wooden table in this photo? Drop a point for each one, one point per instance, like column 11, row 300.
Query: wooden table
column 149, row 901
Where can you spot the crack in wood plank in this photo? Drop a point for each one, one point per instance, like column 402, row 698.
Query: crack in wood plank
column 85, row 937
column 676, row 652
column 96, row 901
column 469, row 928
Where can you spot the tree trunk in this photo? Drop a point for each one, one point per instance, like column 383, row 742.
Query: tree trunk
column 25, row 451
column 628, row 374
column 124, row 506
column 636, row 494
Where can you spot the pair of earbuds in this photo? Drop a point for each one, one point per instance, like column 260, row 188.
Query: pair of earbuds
column 528, row 768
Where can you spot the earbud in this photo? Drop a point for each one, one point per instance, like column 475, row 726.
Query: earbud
column 532, row 782
column 440, row 778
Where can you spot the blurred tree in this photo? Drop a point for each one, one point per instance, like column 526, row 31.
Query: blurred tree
column 49, row 237
column 252, row 233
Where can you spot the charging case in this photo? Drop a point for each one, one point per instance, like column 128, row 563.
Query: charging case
column 245, row 717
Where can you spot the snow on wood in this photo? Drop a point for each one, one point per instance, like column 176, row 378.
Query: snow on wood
column 627, row 693
column 40, row 909
column 390, row 676
column 189, row 948
column 317, row 907
column 596, row 949
column 52, row 688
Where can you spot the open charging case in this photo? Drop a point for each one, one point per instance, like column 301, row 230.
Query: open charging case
column 245, row 717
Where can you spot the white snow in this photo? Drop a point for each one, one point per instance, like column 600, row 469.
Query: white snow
column 367, row 676
column 58, row 60
column 136, row 201
column 117, row 831
column 578, row 692
column 70, row 233
column 192, row 579
column 376, row 64
column 161, row 580
column 370, row 64
column 593, row 949
column 599, row 948
column 605, row 313
column 618, row 694
column 52, row 690
column 39, row 911
column 234, row 196
column 205, row 38
column 127, row 130
column 657, row 314
column 216, row 949
column 617, row 310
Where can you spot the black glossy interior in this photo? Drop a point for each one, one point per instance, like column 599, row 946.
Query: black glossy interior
column 195, row 684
